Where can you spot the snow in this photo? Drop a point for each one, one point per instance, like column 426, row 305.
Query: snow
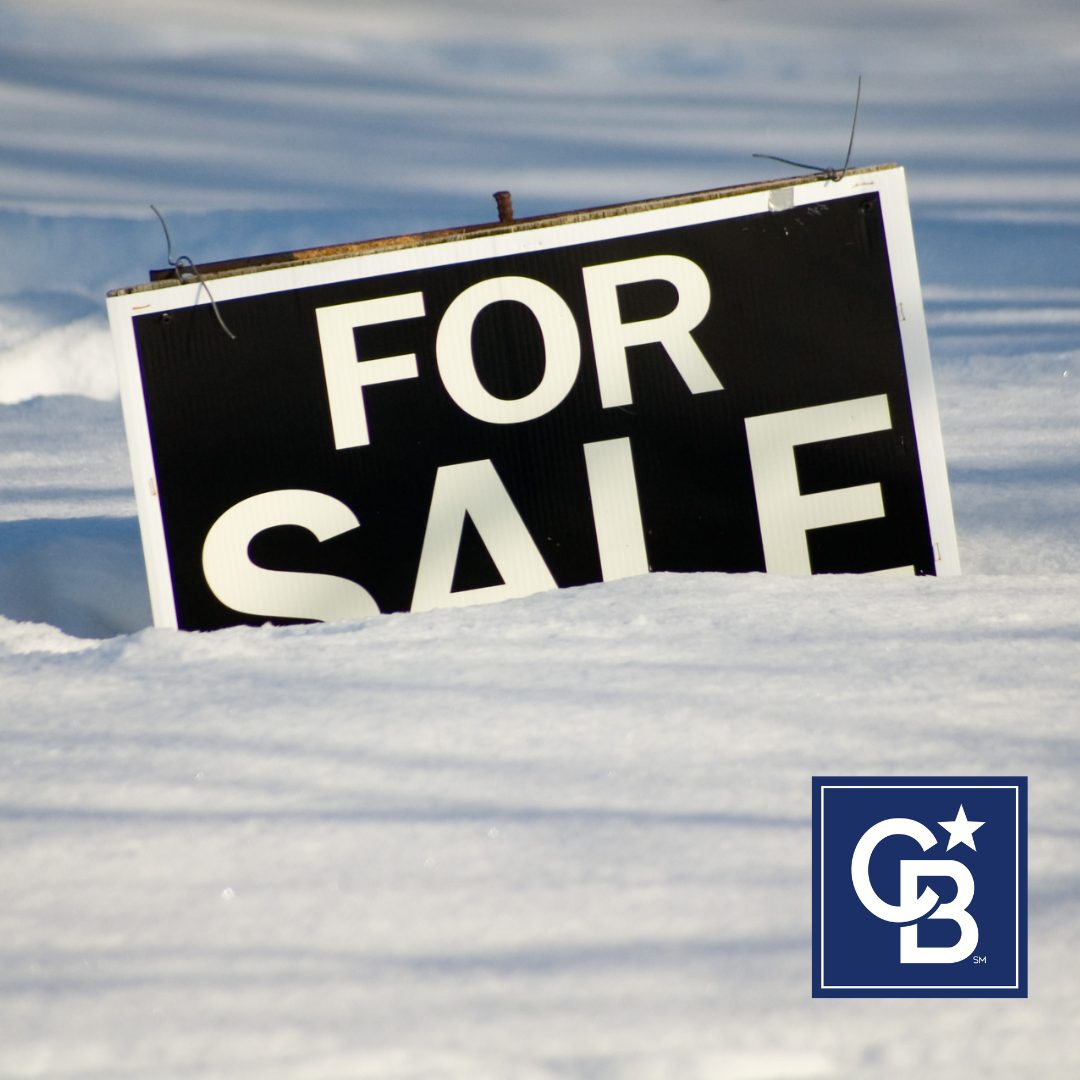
column 558, row 838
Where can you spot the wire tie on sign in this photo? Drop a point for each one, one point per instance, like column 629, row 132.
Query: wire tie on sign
column 828, row 173
column 184, row 264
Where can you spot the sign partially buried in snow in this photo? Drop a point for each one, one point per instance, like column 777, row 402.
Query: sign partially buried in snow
column 736, row 380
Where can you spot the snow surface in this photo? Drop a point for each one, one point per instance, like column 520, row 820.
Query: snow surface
column 562, row 837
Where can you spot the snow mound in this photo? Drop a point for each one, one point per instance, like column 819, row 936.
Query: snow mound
column 75, row 358
column 82, row 575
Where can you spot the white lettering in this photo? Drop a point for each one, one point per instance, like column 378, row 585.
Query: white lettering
column 241, row 585
column 457, row 365
column 612, row 337
column 345, row 376
column 620, row 536
column 911, row 907
column 915, row 905
column 474, row 488
column 784, row 513
column 956, row 910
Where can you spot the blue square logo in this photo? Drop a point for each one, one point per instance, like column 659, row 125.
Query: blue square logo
column 920, row 886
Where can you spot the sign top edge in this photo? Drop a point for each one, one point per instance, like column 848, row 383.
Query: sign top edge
column 167, row 278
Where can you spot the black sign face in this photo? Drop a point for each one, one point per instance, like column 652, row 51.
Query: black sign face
column 553, row 409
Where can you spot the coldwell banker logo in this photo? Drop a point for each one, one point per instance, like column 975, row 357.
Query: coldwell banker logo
column 920, row 887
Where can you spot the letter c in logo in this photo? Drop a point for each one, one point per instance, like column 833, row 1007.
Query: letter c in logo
column 910, row 908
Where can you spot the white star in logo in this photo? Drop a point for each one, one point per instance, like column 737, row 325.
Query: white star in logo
column 961, row 830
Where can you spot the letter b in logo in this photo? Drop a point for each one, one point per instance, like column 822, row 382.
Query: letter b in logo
column 914, row 905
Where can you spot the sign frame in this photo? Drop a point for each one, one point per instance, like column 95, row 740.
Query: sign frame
column 285, row 272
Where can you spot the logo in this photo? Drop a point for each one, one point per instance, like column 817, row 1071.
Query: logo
column 920, row 887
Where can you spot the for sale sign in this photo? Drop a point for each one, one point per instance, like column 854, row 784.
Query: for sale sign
column 736, row 380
